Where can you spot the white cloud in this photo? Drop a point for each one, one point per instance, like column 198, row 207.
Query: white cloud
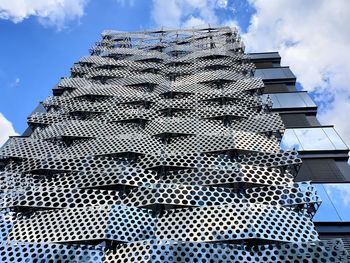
column 6, row 129
column 15, row 83
column 222, row 3
column 49, row 12
column 186, row 13
column 230, row 23
column 312, row 38
column 193, row 22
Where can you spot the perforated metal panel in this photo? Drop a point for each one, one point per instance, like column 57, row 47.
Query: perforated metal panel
column 158, row 148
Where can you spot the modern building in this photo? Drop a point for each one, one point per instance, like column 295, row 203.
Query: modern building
column 324, row 154
column 175, row 146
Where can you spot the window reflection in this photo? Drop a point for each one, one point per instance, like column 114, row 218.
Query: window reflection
column 335, row 205
column 326, row 212
column 308, row 139
column 307, row 99
column 274, row 73
column 291, row 100
column 290, row 141
column 335, row 139
column 275, row 102
column 313, row 139
column 339, row 194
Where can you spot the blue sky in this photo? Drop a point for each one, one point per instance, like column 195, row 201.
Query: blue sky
column 37, row 56
column 41, row 39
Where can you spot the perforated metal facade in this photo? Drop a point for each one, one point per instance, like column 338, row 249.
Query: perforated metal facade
column 158, row 148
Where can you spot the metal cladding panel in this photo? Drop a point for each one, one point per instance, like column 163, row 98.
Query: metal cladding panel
column 119, row 223
column 158, row 148
column 235, row 223
column 158, row 251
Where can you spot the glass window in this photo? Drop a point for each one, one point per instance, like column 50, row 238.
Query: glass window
column 271, row 73
column 259, row 73
column 313, row 139
column 267, row 55
column 326, row 212
column 287, row 73
column 275, row 102
column 335, row 205
column 335, row 139
column 307, row 99
column 291, row 100
column 274, row 73
column 290, row 140
column 309, row 139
